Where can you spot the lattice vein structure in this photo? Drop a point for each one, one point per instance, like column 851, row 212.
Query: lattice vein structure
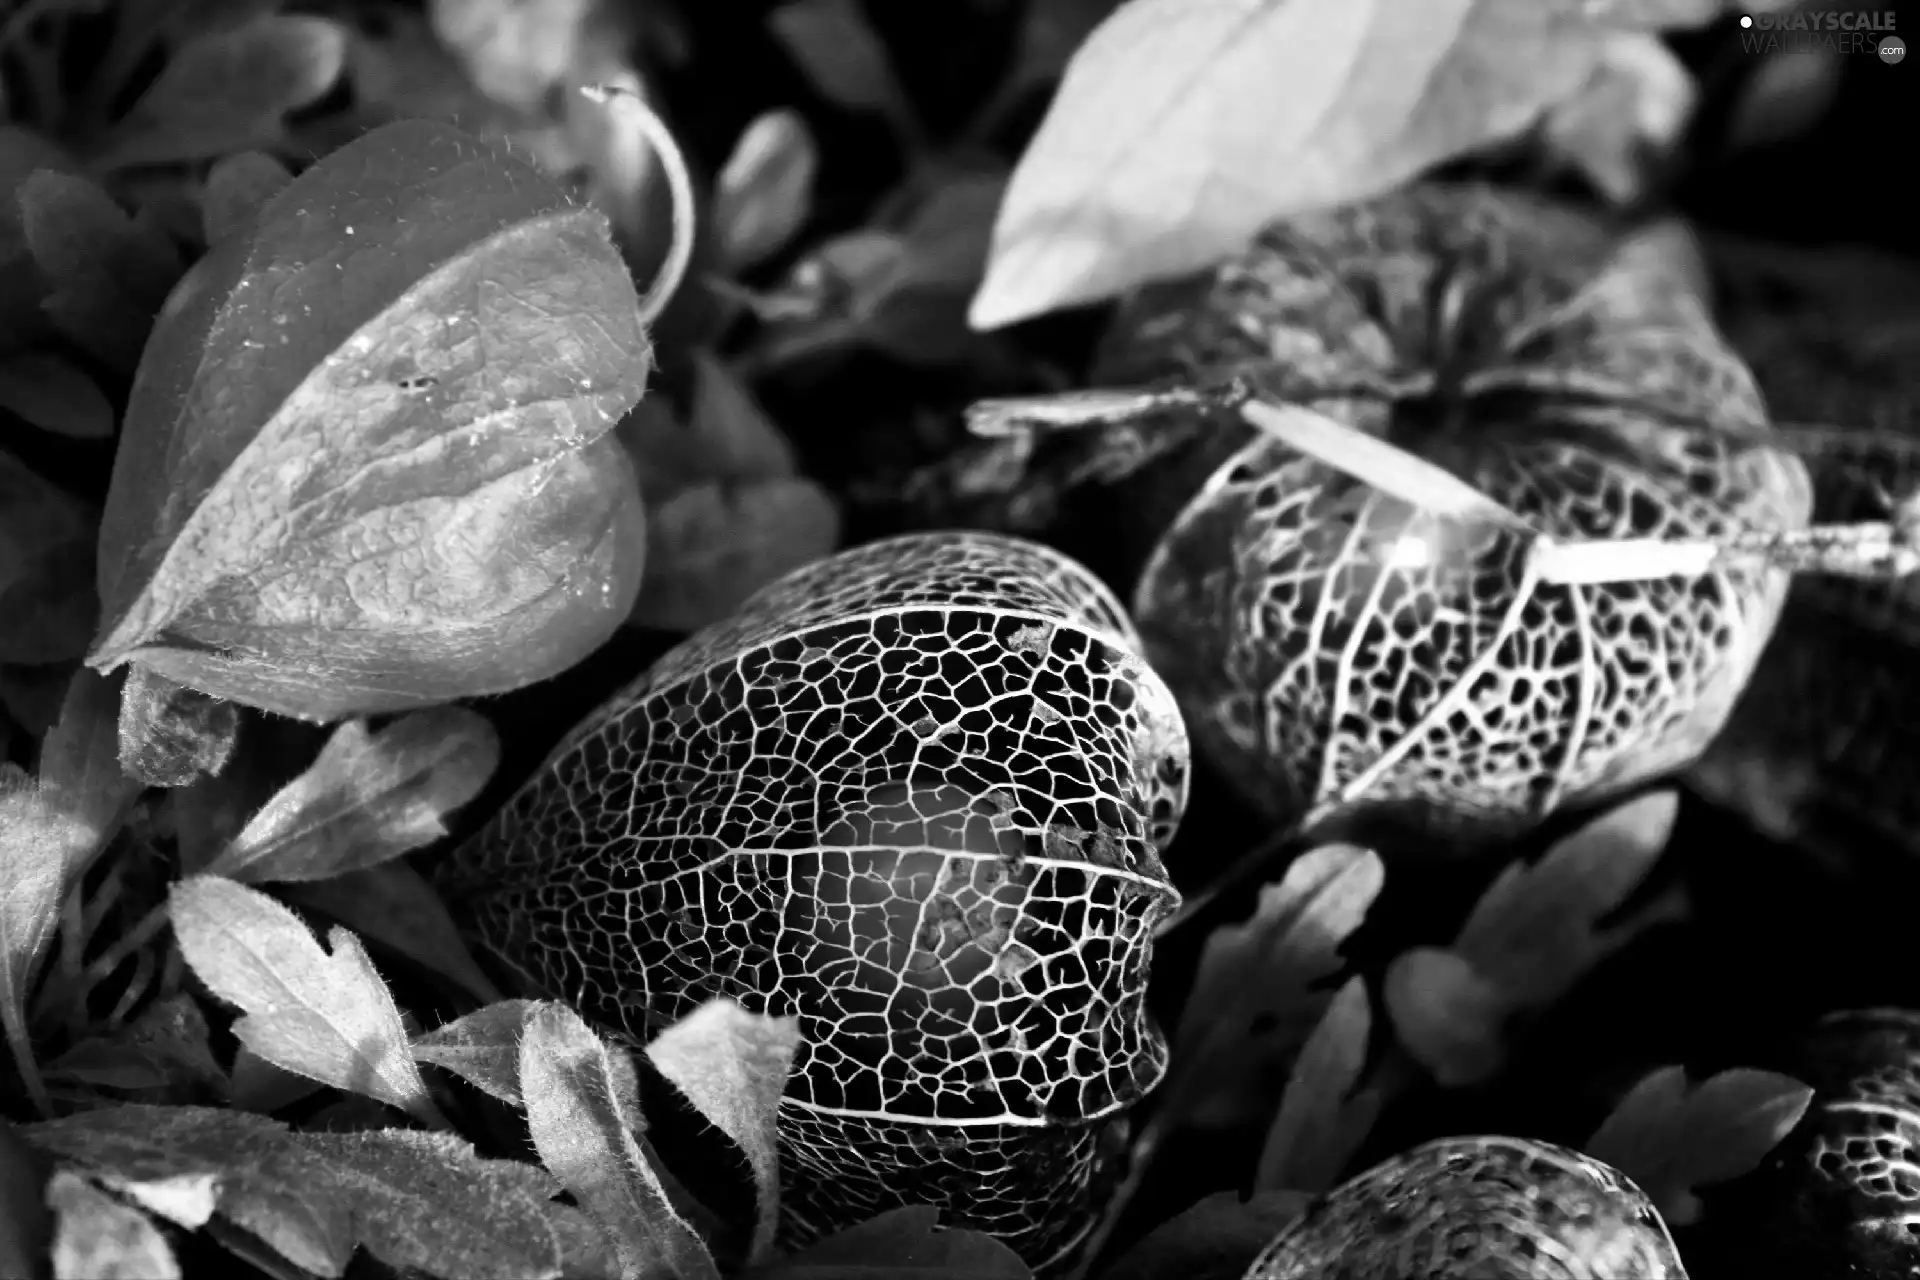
column 915, row 794
column 1860, row 1143
column 1330, row 643
column 1477, row 1208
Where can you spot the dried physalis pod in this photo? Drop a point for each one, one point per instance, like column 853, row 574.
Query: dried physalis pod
column 1849, row 1179
column 1477, row 1208
column 916, row 795
column 1340, row 653
column 1821, row 750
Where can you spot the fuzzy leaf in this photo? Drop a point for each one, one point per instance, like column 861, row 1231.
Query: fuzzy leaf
column 48, row 392
column 426, row 1200
column 170, row 735
column 482, row 1048
column 1255, row 997
column 368, row 798
column 1670, row 1137
column 765, row 190
column 365, row 465
column 733, row 1066
column 97, row 1237
column 1217, row 1239
column 586, row 1138
column 325, row 1016
column 237, row 189
column 907, row 1244
column 1447, row 1016
column 713, row 545
column 1324, row 1115
column 394, row 906
column 227, row 91
column 1534, row 933
column 1180, row 128
column 104, row 275
column 47, row 605
column 839, row 53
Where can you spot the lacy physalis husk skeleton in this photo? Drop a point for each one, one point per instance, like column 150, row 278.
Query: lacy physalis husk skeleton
column 915, row 794
column 1340, row 652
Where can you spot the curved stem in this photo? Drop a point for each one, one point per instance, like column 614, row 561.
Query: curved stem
column 626, row 98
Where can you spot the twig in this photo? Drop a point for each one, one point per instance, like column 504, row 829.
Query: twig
column 128, row 943
column 627, row 99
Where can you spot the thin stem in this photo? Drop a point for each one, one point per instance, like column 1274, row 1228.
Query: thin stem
column 626, row 98
column 24, row 1063
column 126, row 944
column 1145, row 1147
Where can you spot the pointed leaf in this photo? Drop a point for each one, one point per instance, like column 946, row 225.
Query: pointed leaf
column 733, row 1066
column 325, row 1016
column 1255, row 997
column 42, row 845
column 426, row 1200
column 1534, row 933
column 394, row 906
column 1449, row 1017
column 765, row 189
column 1625, row 121
column 1671, row 1137
column 482, row 1048
column 47, row 605
column 586, row 1139
column 226, row 91
column 839, row 52
column 368, row 798
column 79, row 759
column 1180, row 129
column 97, row 1237
column 164, row 1055
column 738, row 441
column 905, row 1243
column 365, row 465
column 1217, row 1239
column 104, row 274
column 1324, row 1115
column 514, row 50
column 49, row 393
column 170, row 735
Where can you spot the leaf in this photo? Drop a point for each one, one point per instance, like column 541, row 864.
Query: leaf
column 727, row 436
column 228, row 91
column 1791, row 91
column 1324, row 1115
column 1180, row 129
column 49, row 393
column 482, row 1048
column 1254, row 1000
column 733, row 1066
column 393, row 905
column 586, row 1139
column 163, row 1055
column 426, row 1200
column 42, row 845
column 906, row 1243
column 1670, row 1137
column 327, row 1017
column 366, row 465
column 170, row 735
column 1627, row 118
column 513, row 50
column 368, row 798
column 1050, row 32
column 96, row 1237
column 79, row 760
column 1449, row 1018
column 104, row 275
column 585, row 1251
column 237, row 189
column 1216, row 1239
column 714, row 545
column 47, row 606
column 1535, row 931
column 261, row 1087
column 765, row 190
column 839, row 53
